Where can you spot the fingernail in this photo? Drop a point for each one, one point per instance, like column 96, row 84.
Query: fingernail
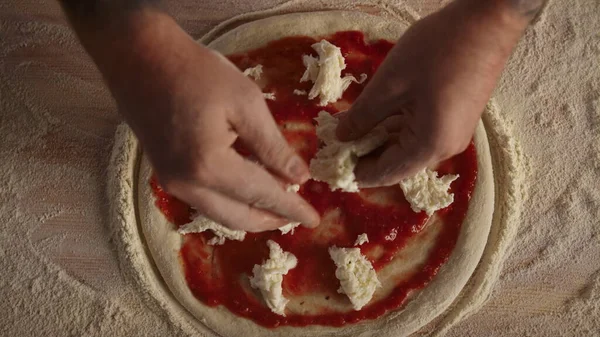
column 314, row 221
column 298, row 170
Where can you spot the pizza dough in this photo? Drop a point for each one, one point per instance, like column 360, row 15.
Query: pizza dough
column 164, row 242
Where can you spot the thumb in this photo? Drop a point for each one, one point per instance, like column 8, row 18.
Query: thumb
column 360, row 119
column 396, row 162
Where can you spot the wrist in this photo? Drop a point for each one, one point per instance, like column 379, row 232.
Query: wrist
column 116, row 44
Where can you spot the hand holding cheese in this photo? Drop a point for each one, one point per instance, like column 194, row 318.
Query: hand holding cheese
column 433, row 86
column 188, row 105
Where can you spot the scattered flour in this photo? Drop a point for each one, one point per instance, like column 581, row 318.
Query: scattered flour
column 61, row 276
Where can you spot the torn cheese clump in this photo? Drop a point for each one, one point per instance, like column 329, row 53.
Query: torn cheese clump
column 326, row 73
column 201, row 224
column 299, row 92
column 426, row 192
column 269, row 95
column 254, row 72
column 268, row 277
column 361, row 239
column 357, row 277
column 335, row 162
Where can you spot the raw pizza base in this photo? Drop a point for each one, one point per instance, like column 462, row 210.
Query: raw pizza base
column 423, row 306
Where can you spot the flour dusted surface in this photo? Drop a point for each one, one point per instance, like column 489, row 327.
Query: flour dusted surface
column 85, row 295
column 268, row 277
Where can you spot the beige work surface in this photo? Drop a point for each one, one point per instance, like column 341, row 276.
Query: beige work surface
column 59, row 270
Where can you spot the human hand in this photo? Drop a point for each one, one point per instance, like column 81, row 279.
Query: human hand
column 431, row 89
column 188, row 105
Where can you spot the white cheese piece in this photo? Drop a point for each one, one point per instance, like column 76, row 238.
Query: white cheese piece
column 289, row 228
column 293, row 188
column 392, row 235
column 362, row 78
column 426, row 192
column 361, row 239
column 299, row 92
column 200, row 224
column 292, row 225
column 326, row 73
column 269, row 95
column 357, row 277
column 335, row 162
column 254, row 72
column 268, row 277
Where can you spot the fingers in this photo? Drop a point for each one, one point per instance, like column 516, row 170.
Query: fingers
column 247, row 182
column 394, row 163
column 386, row 95
column 258, row 130
column 232, row 213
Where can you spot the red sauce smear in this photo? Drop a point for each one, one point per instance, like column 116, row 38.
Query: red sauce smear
column 227, row 284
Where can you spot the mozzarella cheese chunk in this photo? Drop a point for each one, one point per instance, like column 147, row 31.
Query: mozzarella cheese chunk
column 326, row 73
column 426, row 192
column 299, row 92
column 268, row 277
column 254, row 72
column 361, row 239
column 357, row 277
column 392, row 235
column 200, row 224
column 269, row 95
column 335, row 162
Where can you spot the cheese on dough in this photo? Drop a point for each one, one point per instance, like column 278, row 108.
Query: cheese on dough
column 326, row 73
column 361, row 239
column 269, row 95
column 299, row 92
column 357, row 277
column 335, row 162
column 268, row 277
column 254, row 72
column 426, row 192
column 200, row 224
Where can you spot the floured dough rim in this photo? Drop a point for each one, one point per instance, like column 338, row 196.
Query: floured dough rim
column 429, row 303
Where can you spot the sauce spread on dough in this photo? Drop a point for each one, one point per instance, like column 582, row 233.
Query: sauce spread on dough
column 218, row 275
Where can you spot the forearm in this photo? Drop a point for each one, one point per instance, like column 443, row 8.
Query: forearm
column 134, row 43
column 93, row 16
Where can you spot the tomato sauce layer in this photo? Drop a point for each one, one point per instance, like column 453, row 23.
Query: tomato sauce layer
column 218, row 275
